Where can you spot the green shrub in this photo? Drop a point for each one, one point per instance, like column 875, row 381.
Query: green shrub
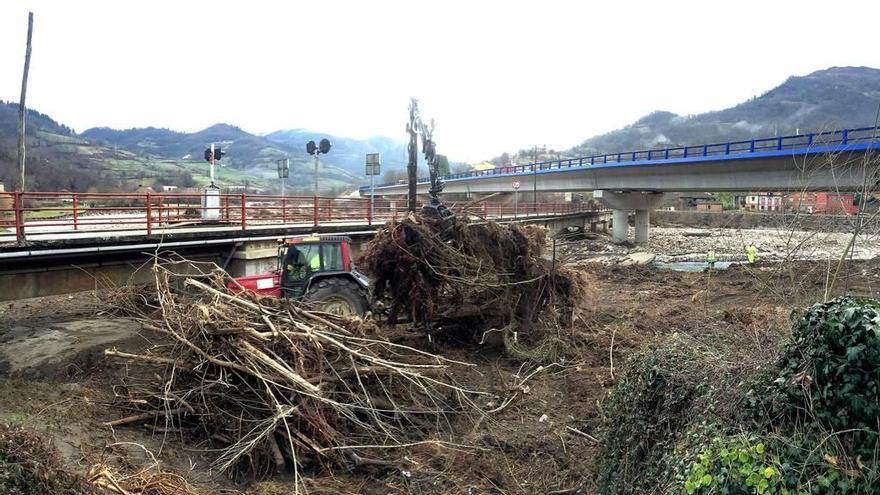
column 657, row 408
column 829, row 375
column 808, row 424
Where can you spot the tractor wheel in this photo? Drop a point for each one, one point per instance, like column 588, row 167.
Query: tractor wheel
column 337, row 295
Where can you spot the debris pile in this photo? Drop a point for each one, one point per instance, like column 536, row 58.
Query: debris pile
column 272, row 386
column 453, row 270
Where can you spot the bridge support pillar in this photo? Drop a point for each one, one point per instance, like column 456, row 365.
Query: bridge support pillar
column 643, row 226
column 622, row 203
column 620, row 226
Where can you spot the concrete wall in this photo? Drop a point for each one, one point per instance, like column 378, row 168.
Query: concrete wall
column 74, row 278
column 748, row 220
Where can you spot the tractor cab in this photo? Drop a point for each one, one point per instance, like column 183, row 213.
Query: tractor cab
column 316, row 270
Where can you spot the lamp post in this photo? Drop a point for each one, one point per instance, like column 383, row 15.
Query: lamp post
column 372, row 170
column 323, row 147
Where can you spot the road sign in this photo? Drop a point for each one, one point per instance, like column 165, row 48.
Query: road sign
column 516, row 185
column 373, row 164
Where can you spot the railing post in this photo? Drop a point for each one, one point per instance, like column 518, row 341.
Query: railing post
column 705, row 150
column 283, row 210
column 593, row 160
column 75, row 216
column 649, row 154
column 330, row 209
column 685, row 152
column 779, row 143
column 844, row 136
column 19, row 216
column 243, row 212
column 315, row 211
column 726, row 148
column 752, row 146
column 149, row 215
column 370, row 211
column 810, row 139
column 666, row 154
column 633, row 156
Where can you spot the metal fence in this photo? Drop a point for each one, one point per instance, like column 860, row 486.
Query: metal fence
column 56, row 213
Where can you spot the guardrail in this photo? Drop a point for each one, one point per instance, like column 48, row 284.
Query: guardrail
column 153, row 213
column 840, row 138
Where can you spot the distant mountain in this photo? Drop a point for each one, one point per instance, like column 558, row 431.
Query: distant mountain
column 827, row 99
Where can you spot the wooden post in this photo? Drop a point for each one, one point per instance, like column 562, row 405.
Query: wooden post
column 149, row 214
column 19, row 216
column 21, row 104
column 75, row 215
column 243, row 212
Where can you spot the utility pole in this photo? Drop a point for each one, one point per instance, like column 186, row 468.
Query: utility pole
column 413, row 149
column 21, row 104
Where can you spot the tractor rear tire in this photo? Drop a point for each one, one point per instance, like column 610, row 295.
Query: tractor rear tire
column 337, row 295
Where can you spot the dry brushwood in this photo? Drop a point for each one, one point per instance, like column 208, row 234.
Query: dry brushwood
column 146, row 481
column 274, row 386
column 452, row 269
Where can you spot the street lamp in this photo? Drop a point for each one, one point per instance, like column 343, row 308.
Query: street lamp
column 283, row 171
column 316, row 149
column 372, row 170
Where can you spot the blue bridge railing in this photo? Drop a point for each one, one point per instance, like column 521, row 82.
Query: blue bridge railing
column 841, row 138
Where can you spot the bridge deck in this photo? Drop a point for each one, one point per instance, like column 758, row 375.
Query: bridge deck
column 800, row 145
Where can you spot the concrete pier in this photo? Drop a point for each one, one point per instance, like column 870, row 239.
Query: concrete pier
column 620, row 227
column 643, row 226
column 622, row 202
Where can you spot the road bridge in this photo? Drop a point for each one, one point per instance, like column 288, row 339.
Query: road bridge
column 636, row 180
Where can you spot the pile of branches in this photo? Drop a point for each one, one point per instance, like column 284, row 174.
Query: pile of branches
column 454, row 269
column 273, row 386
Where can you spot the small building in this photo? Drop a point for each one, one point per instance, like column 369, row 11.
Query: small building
column 699, row 202
column 823, row 203
column 764, row 201
column 169, row 188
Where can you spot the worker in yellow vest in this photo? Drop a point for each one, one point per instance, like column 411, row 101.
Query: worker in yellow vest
column 710, row 259
column 751, row 253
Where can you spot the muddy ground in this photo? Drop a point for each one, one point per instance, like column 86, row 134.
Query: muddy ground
column 538, row 435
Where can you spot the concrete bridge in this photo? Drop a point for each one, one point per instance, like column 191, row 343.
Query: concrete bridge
column 636, row 180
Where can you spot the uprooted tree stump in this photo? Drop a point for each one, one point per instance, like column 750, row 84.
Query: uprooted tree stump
column 455, row 270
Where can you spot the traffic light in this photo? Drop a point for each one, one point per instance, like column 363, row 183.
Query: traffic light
column 324, row 146
column 218, row 153
column 311, row 147
column 208, row 155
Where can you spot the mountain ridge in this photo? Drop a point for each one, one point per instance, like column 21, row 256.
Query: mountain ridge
column 826, row 99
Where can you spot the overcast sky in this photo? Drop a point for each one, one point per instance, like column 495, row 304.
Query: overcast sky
column 496, row 76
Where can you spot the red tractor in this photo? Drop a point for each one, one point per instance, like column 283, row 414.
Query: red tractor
column 316, row 270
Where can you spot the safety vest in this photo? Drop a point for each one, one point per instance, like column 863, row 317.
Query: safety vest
column 710, row 256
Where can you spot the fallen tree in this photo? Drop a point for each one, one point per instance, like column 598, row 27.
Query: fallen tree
column 273, row 386
column 454, row 272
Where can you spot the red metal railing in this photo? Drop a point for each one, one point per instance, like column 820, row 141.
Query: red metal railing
column 31, row 213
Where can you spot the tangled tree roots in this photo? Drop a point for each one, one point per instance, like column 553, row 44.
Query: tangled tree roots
column 273, row 386
column 453, row 269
